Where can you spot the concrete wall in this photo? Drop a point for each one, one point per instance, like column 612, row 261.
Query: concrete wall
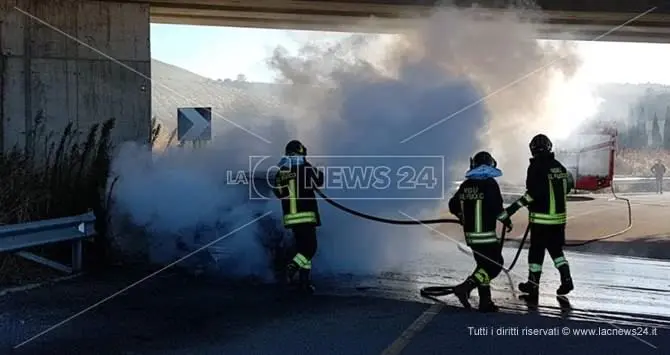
column 74, row 61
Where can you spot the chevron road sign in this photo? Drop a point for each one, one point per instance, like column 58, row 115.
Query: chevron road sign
column 194, row 124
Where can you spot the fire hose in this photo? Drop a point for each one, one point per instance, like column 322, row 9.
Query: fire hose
column 430, row 291
column 433, row 291
column 586, row 242
column 386, row 220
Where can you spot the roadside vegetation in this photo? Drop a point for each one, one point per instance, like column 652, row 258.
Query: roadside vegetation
column 65, row 173
column 56, row 175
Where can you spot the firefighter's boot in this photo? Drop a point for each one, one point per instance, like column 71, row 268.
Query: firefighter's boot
column 566, row 281
column 305, row 282
column 485, row 302
column 291, row 270
column 463, row 290
column 531, row 288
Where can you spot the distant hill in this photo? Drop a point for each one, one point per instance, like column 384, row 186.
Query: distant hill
column 175, row 87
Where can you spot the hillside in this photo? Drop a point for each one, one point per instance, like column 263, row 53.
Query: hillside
column 175, row 87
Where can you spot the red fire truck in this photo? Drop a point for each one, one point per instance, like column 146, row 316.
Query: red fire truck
column 589, row 156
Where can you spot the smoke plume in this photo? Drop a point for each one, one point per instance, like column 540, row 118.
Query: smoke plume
column 455, row 83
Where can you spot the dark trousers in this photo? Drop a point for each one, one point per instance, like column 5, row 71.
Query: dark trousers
column 546, row 237
column 305, row 240
column 489, row 261
column 659, row 185
column 305, row 243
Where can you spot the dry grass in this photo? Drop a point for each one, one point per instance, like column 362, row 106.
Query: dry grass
column 159, row 140
column 52, row 178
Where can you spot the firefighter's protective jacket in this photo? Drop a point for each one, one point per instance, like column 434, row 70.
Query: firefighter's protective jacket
column 548, row 183
column 294, row 184
column 478, row 203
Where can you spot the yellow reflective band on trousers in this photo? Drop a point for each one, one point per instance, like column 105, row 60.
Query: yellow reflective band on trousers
column 481, row 238
column 302, row 261
column 482, row 276
column 560, row 261
column 300, row 217
column 543, row 218
column 535, row 267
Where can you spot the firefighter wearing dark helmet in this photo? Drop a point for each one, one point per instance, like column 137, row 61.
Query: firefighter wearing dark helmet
column 478, row 203
column 547, row 185
column 294, row 184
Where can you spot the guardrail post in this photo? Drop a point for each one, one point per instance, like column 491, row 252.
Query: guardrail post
column 17, row 238
column 77, row 247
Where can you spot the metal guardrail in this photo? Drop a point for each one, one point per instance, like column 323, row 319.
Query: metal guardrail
column 18, row 237
column 636, row 184
column 635, row 179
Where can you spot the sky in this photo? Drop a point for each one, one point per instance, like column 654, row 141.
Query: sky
column 225, row 52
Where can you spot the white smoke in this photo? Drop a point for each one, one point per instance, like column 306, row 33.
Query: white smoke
column 365, row 95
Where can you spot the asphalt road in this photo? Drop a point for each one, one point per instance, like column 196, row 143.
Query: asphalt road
column 174, row 313
column 177, row 313
column 597, row 215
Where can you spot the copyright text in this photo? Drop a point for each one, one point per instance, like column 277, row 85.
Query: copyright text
column 560, row 331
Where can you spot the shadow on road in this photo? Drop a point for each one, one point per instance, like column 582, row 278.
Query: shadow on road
column 573, row 198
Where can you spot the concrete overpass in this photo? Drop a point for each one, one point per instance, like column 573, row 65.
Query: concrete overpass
column 585, row 19
column 74, row 61
column 86, row 61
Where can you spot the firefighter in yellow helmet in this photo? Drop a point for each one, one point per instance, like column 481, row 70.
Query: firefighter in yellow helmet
column 294, row 184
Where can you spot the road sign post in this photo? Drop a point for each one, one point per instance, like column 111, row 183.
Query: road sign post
column 194, row 124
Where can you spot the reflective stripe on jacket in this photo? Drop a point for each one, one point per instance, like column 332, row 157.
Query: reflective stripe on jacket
column 294, row 185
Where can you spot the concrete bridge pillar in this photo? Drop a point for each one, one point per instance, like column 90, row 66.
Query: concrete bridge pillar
column 74, row 61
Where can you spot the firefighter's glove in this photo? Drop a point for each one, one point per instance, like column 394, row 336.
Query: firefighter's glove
column 507, row 222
